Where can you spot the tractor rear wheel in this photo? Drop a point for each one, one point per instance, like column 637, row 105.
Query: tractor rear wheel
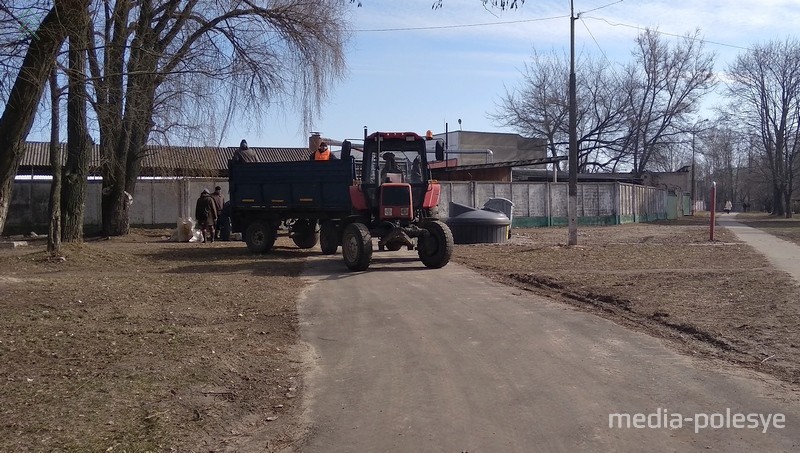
column 436, row 248
column 304, row 233
column 357, row 247
column 260, row 236
column 328, row 237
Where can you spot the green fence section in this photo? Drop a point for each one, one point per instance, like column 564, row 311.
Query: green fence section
column 543, row 204
column 539, row 222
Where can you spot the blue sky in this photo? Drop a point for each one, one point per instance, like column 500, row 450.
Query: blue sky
column 444, row 66
column 419, row 79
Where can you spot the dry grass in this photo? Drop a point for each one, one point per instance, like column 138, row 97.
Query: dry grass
column 143, row 345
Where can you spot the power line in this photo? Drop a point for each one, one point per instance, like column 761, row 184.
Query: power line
column 542, row 19
column 600, row 7
column 639, row 28
column 444, row 27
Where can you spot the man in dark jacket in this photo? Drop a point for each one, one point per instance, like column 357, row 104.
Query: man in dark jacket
column 206, row 215
column 244, row 153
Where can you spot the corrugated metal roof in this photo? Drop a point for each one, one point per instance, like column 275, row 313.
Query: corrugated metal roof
column 166, row 160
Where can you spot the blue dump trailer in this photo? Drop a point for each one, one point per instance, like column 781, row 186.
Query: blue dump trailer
column 296, row 195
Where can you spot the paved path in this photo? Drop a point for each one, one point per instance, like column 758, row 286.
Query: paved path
column 783, row 254
column 409, row 359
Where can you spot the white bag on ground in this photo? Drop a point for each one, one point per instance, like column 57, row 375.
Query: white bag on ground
column 185, row 230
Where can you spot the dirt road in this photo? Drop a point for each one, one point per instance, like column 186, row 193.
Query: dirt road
column 410, row 359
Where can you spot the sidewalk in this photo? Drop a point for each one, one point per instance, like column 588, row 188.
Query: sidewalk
column 784, row 255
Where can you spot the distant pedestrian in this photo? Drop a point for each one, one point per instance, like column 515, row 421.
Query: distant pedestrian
column 745, row 206
column 219, row 202
column 728, row 207
column 206, row 214
column 244, row 153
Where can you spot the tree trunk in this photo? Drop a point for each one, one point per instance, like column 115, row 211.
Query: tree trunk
column 124, row 168
column 54, row 233
column 20, row 110
column 76, row 170
column 777, row 201
column 113, row 205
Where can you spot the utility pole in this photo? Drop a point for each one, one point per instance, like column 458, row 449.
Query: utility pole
column 572, row 204
column 694, row 183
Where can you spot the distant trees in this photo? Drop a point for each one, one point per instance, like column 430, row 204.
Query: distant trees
column 628, row 119
column 765, row 86
column 664, row 85
column 540, row 108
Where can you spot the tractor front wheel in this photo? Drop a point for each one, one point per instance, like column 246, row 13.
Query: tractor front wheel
column 357, row 247
column 435, row 248
column 260, row 236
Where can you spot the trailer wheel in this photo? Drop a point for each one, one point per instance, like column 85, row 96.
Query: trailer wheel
column 357, row 247
column 260, row 236
column 436, row 248
column 304, row 233
column 328, row 237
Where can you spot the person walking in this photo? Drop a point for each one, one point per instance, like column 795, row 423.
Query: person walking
column 219, row 202
column 728, row 207
column 206, row 215
column 323, row 153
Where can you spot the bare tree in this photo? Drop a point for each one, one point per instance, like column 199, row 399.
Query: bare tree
column 664, row 86
column 625, row 120
column 539, row 106
column 27, row 90
column 765, row 82
column 256, row 54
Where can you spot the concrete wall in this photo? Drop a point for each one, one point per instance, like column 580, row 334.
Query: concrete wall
column 155, row 202
column 539, row 204
column 536, row 204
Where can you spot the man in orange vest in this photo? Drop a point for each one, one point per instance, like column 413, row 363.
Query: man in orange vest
column 323, row 153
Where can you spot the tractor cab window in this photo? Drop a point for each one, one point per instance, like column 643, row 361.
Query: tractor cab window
column 400, row 166
column 390, row 169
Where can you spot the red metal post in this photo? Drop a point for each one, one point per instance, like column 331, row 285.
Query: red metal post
column 713, row 210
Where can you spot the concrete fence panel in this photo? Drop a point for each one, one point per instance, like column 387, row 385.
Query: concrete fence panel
column 160, row 202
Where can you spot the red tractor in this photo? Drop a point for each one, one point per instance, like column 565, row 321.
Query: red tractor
column 395, row 200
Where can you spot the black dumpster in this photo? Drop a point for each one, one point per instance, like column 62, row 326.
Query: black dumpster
column 477, row 226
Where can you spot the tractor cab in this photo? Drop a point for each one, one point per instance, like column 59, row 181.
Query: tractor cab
column 395, row 179
column 394, row 200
